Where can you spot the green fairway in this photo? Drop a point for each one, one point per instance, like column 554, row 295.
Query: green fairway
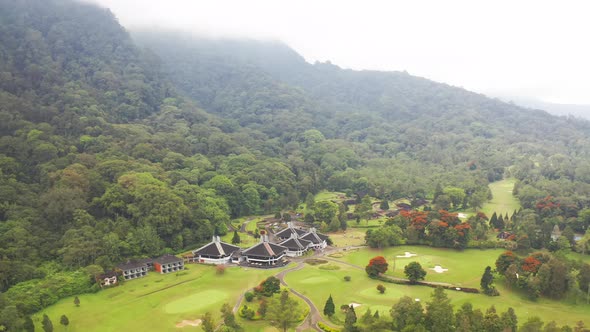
column 196, row 302
column 464, row 268
column 503, row 201
column 156, row 302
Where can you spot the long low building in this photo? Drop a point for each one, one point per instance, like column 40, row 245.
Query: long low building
column 133, row 270
column 168, row 264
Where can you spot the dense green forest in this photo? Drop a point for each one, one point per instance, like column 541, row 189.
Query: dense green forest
column 114, row 147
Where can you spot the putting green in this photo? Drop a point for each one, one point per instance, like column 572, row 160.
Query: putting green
column 196, row 301
column 391, row 291
column 319, row 280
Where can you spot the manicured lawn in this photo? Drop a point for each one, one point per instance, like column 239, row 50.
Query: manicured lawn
column 367, row 223
column 465, row 268
column 328, row 196
column 352, row 237
column 156, row 302
column 246, row 239
column 503, row 201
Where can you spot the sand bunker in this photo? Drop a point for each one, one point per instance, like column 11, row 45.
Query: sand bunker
column 461, row 215
column 354, row 305
column 439, row 269
column 407, row 255
column 185, row 322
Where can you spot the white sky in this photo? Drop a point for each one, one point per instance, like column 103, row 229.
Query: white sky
column 536, row 49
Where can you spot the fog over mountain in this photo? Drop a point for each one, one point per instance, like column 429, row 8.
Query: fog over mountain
column 528, row 49
column 580, row 111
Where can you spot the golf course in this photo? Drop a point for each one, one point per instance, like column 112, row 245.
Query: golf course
column 174, row 302
column 156, row 302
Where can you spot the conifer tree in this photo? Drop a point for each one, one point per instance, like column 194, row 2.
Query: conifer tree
column 350, row 320
column 494, row 220
column 376, row 315
column 367, row 318
column 329, row 307
column 236, row 239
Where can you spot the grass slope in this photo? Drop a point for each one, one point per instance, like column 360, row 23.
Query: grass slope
column 156, row 302
column 503, row 201
column 465, row 268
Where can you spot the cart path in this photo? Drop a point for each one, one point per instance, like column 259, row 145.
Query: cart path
column 314, row 317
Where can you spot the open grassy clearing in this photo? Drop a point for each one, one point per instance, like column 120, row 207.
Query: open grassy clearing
column 503, row 201
column 350, row 237
column 328, row 196
column 156, row 302
column 366, row 223
column 465, row 268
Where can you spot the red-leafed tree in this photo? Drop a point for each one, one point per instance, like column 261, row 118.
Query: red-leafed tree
column 531, row 264
column 377, row 265
column 504, row 261
column 451, row 218
column 417, row 220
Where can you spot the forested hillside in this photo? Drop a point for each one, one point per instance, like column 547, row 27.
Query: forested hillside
column 402, row 134
column 110, row 150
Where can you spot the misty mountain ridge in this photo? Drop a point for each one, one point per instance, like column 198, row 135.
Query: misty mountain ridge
column 575, row 110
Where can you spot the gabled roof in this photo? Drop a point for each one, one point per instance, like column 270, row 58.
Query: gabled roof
column 220, row 249
column 314, row 237
column 265, row 249
column 295, row 244
column 108, row 274
column 166, row 259
column 286, row 233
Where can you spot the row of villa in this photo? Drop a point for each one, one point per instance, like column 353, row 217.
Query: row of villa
column 139, row 268
column 292, row 242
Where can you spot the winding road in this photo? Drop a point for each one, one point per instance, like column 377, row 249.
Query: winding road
column 314, row 316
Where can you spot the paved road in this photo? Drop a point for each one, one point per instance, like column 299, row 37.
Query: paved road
column 244, row 224
column 314, row 316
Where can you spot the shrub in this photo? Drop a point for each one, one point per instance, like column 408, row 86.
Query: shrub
column 315, row 261
column 249, row 296
column 36, row 294
column 381, row 288
column 330, row 267
column 220, row 269
column 326, row 328
column 247, row 313
column 347, row 278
